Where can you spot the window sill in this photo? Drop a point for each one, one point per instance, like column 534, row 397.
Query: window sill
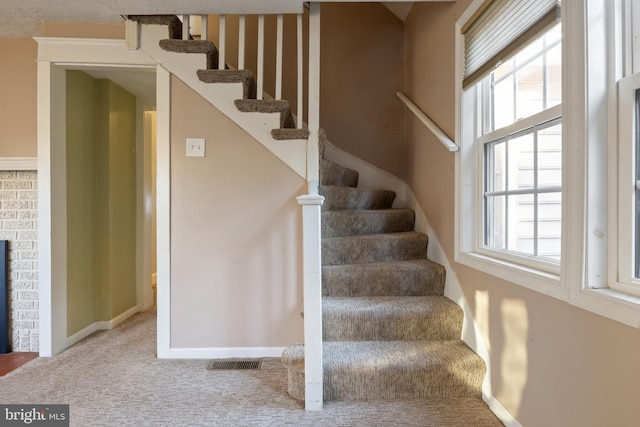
column 615, row 305
column 537, row 280
column 612, row 304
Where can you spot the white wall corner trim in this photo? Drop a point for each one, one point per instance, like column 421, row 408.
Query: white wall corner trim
column 18, row 163
column 224, row 352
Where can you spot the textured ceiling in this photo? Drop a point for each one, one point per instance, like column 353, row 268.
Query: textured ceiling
column 22, row 18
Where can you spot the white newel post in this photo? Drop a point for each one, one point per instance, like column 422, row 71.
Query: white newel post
column 312, row 301
column 311, row 204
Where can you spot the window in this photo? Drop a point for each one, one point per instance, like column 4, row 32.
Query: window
column 510, row 182
column 627, row 278
column 522, row 138
column 510, row 169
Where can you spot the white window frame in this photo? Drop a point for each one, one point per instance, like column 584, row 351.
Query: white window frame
column 588, row 276
column 532, row 272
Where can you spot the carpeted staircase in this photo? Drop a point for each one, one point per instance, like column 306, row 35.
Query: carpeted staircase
column 389, row 333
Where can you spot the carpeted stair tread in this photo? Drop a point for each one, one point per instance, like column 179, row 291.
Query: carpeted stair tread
column 172, row 22
column 268, row 106
column 231, row 76
column 193, row 46
column 369, row 370
column 420, row 277
column 374, row 248
column 287, row 134
column 397, row 318
column 334, row 174
column 348, row 198
column 362, row 222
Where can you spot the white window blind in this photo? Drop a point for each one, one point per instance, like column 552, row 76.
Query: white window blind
column 500, row 30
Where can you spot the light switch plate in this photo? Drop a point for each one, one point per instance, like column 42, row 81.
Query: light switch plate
column 196, row 147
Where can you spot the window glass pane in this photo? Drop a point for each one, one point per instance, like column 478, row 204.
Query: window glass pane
column 503, row 101
column 554, row 76
column 549, row 225
column 528, row 83
column 532, row 50
column 496, row 214
column 496, row 166
column 521, row 229
column 503, row 69
column 550, row 157
column 530, row 89
column 521, row 157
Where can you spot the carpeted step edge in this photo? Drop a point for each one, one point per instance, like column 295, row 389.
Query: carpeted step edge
column 421, row 277
column 193, row 46
column 373, row 370
column 288, row 134
column 268, row 106
column 231, row 76
column 390, row 318
column 174, row 25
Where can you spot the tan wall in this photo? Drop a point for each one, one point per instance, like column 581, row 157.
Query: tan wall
column 235, row 235
column 362, row 53
column 18, row 76
column 18, row 109
column 553, row 364
column 82, row 30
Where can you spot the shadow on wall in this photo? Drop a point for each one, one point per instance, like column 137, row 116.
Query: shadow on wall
column 509, row 317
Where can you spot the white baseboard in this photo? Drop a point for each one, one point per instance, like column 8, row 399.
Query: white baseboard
column 100, row 326
column 373, row 177
column 222, row 353
column 110, row 324
column 501, row 412
column 80, row 335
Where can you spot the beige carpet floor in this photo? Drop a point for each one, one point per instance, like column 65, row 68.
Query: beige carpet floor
column 113, row 378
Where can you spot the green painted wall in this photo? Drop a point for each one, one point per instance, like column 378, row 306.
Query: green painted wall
column 122, row 197
column 81, row 201
column 101, row 200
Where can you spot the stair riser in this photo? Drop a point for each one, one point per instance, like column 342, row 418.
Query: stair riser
column 358, row 223
column 368, row 249
column 344, row 198
column 369, row 280
column 342, row 385
column 389, row 329
column 399, row 384
column 334, row 174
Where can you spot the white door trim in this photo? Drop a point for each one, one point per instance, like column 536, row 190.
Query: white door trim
column 54, row 55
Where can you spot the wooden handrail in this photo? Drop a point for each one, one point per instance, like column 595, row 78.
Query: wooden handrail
column 442, row 137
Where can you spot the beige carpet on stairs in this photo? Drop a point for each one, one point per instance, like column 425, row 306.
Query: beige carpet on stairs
column 114, row 379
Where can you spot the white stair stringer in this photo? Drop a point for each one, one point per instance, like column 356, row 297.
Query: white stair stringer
column 222, row 96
